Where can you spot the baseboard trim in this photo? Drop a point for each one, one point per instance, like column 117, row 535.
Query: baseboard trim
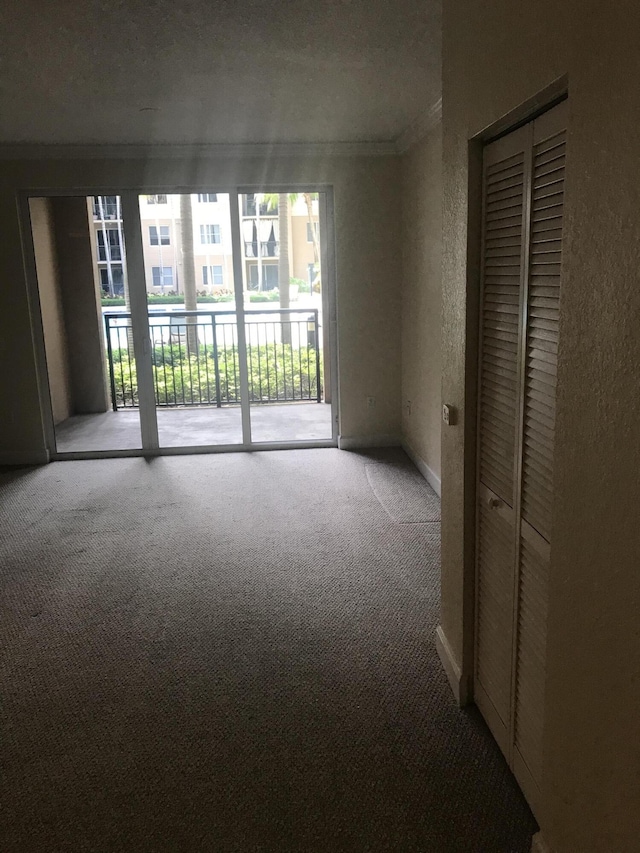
column 458, row 682
column 539, row 845
column 430, row 476
column 24, row 457
column 357, row 442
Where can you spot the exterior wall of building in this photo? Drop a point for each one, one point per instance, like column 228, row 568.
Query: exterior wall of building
column 302, row 254
column 300, row 251
column 168, row 257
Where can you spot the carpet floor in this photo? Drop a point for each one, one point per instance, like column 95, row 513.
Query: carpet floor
column 234, row 653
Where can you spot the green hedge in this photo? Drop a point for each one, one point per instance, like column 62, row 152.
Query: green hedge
column 177, row 299
column 276, row 372
column 160, row 299
column 265, row 296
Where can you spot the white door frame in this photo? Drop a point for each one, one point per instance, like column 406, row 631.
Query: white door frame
column 134, row 255
column 140, row 322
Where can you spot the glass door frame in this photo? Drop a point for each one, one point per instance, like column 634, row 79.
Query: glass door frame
column 132, row 231
column 329, row 299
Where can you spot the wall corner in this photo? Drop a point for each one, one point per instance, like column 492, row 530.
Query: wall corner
column 539, row 845
column 460, row 682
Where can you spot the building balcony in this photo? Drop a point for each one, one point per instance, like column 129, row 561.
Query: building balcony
column 270, row 249
column 249, row 207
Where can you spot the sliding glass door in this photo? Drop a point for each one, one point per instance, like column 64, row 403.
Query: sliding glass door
column 80, row 264
column 193, row 328
column 282, row 269
column 207, row 327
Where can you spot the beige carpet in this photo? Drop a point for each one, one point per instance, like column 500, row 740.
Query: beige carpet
column 403, row 492
column 232, row 653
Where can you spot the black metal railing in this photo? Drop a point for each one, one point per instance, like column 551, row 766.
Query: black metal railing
column 195, row 358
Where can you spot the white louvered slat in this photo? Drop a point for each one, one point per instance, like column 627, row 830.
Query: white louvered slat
column 494, row 603
column 542, row 333
column 531, row 662
column 505, row 175
column 502, row 259
column 523, row 207
column 538, row 438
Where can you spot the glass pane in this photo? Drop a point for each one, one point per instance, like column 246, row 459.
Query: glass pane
column 189, row 279
column 81, row 269
column 283, row 317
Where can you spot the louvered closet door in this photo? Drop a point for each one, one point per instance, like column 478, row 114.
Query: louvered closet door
column 523, row 196
column 506, row 175
column 538, row 424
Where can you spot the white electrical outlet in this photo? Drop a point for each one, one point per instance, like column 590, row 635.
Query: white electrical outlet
column 447, row 414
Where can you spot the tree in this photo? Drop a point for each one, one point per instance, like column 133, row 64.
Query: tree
column 188, row 270
column 281, row 201
column 308, row 200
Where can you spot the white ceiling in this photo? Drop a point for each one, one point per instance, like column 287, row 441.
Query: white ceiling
column 192, row 71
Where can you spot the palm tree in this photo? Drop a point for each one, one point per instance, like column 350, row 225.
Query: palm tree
column 284, row 267
column 281, row 201
column 309, row 198
column 188, row 270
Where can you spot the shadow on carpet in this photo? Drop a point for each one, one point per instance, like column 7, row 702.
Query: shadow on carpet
column 403, row 493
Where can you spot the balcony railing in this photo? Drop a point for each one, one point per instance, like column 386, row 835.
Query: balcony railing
column 269, row 249
column 114, row 253
column 195, row 357
column 109, row 211
column 249, row 207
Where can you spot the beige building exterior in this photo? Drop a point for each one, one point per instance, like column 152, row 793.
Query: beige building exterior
column 162, row 242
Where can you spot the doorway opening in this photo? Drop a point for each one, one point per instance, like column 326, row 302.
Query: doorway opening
column 185, row 321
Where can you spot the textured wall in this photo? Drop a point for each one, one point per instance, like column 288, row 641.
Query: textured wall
column 367, row 216
column 497, row 55
column 422, row 297
column 270, row 71
column 82, row 314
column 51, row 306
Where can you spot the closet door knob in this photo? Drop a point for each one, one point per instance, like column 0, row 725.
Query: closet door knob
column 494, row 503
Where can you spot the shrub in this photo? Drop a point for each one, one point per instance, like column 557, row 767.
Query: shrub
column 169, row 299
column 276, row 372
column 303, row 286
column 265, row 296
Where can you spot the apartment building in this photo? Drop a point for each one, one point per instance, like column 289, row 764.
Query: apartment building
column 160, row 219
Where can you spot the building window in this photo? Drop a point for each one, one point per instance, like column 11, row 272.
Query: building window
column 116, row 286
column 249, row 206
column 159, row 236
column 209, row 234
column 269, row 277
column 311, row 273
column 162, row 276
column 207, row 197
column 110, row 251
column 311, row 233
column 104, row 281
column 212, row 275
column 156, row 199
column 105, row 207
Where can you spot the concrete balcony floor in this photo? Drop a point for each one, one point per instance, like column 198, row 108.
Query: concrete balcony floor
column 195, row 427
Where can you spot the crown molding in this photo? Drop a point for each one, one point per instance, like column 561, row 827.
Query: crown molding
column 200, row 151
column 419, row 127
